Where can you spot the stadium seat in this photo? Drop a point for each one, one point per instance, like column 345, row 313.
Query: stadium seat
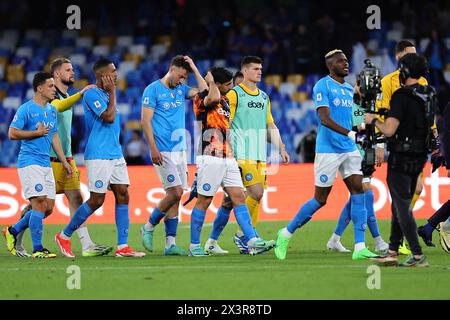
column 72, row 34
column 12, row 102
column 80, row 83
column 274, row 80
column 78, row 58
column 33, row 34
column 165, row 40
column 84, row 42
column 124, row 41
column 78, row 109
column 136, row 58
column 139, row 49
column 24, row 52
column 107, row 41
column 299, row 96
column 287, row 88
column 157, row 51
column 133, row 125
column 122, row 84
column 101, row 50
column 30, row 76
column 15, row 73
column 296, row 79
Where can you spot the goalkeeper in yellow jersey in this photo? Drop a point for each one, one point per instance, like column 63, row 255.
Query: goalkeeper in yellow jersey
column 389, row 84
column 63, row 74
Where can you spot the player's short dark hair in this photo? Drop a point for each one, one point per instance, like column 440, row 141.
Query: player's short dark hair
column 40, row 78
column 101, row 63
column 237, row 75
column 180, row 62
column 416, row 64
column 250, row 59
column 221, row 75
column 402, row 45
column 58, row 62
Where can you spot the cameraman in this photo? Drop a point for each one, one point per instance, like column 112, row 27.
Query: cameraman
column 407, row 127
column 389, row 84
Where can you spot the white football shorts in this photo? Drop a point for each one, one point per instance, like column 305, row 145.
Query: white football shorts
column 173, row 172
column 37, row 181
column 213, row 172
column 104, row 172
column 326, row 166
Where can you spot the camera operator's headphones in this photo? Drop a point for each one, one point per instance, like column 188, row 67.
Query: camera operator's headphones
column 404, row 71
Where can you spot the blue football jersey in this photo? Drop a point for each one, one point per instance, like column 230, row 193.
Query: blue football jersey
column 102, row 137
column 35, row 151
column 169, row 118
column 339, row 99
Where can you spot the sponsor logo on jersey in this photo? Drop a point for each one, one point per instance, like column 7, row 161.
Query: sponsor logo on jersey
column 358, row 113
column 223, row 112
column 258, row 105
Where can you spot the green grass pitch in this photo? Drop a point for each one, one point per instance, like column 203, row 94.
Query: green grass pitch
column 309, row 271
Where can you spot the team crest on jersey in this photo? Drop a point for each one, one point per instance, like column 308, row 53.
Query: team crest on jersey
column 171, row 178
column 248, row 177
column 206, row 187
column 38, row 187
column 264, row 96
column 53, row 114
column 323, row 178
column 98, row 184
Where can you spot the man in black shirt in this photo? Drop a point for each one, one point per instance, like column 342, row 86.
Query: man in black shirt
column 407, row 127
